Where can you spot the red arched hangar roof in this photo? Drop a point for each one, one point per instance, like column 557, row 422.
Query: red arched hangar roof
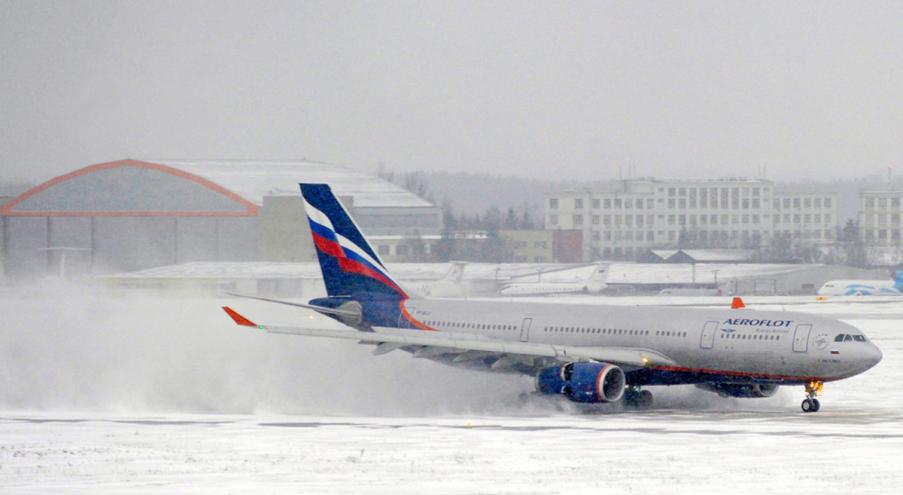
column 129, row 188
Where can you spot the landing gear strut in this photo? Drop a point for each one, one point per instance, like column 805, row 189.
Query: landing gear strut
column 810, row 403
column 640, row 399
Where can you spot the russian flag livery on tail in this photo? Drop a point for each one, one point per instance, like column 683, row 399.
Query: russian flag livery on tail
column 350, row 266
column 352, row 270
column 582, row 352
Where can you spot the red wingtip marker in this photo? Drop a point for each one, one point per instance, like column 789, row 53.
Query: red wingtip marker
column 737, row 303
column 237, row 318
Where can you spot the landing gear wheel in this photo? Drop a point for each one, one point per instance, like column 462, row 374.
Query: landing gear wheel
column 807, row 406
column 810, row 405
column 640, row 399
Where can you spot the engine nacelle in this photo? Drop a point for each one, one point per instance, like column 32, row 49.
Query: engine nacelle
column 583, row 382
column 743, row 391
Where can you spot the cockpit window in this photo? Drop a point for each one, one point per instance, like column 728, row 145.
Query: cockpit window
column 859, row 338
column 839, row 338
column 847, row 338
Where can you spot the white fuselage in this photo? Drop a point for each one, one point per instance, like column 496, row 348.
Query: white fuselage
column 781, row 347
column 550, row 288
column 859, row 288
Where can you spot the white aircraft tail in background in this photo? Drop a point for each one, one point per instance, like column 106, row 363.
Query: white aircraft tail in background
column 450, row 285
column 594, row 283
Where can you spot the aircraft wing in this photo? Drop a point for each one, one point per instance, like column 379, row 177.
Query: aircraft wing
column 446, row 342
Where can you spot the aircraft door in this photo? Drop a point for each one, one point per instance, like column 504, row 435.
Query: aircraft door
column 801, row 337
column 708, row 334
column 525, row 329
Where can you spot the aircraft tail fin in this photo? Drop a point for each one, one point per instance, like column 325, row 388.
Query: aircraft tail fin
column 601, row 272
column 351, row 267
column 456, row 272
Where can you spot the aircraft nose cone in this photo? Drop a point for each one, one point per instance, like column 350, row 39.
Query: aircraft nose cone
column 874, row 355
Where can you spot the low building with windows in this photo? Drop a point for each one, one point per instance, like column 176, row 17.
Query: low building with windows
column 416, row 248
column 641, row 214
column 543, row 246
column 535, row 246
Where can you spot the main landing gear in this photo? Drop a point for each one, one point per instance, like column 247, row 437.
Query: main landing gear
column 810, row 403
column 640, row 399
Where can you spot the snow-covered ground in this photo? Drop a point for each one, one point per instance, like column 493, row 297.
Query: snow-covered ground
column 840, row 451
column 121, row 393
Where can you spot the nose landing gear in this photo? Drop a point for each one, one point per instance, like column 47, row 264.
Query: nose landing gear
column 810, row 403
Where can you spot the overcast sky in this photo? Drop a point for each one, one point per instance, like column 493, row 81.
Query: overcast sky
column 561, row 89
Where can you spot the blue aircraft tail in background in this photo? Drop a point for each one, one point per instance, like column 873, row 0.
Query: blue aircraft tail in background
column 898, row 280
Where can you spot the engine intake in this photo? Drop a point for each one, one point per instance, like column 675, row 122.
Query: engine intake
column 583, row 382
column 743, row 391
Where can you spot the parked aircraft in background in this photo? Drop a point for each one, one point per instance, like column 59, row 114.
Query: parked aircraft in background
column 594, row 283
column 585, row 353
column 450, row 285
column 892, row 287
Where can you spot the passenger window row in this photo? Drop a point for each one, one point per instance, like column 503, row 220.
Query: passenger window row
column 613, row 331
column 602, row 331
column 470, row 326
column 743, row 336
column 664, row 333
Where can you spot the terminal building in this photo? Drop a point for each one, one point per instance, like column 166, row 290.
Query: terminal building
column 642, row 214
column 131, row 214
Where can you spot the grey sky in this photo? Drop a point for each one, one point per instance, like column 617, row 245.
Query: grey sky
column 569, row 90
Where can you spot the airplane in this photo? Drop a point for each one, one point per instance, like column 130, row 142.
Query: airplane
column 893, row 287
column 450, row 285
column 585, row 353
column 592, row 284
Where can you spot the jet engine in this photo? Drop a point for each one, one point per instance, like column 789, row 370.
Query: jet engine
column 583, row 382
column 751, row 391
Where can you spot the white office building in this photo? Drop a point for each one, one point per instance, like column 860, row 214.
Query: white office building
column 640, row 214
column 879, row 217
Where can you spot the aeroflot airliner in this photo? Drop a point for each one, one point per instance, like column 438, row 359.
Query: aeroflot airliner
column 585, row 353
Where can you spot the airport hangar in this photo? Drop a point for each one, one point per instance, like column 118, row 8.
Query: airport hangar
column 132, row 214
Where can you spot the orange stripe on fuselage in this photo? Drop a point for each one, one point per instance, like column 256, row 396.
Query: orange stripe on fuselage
column 407, row 316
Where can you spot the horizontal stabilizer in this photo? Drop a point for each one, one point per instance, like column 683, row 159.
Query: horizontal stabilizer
column 320, row 309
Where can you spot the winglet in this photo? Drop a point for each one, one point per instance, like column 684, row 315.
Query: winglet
column 737, row 303
column 237, row 318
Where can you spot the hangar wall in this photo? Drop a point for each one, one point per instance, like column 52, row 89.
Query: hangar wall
column 130, row 215
column 37, row 246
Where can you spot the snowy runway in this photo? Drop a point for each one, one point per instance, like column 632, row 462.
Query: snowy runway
column 295, row 416
column 668, row 451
